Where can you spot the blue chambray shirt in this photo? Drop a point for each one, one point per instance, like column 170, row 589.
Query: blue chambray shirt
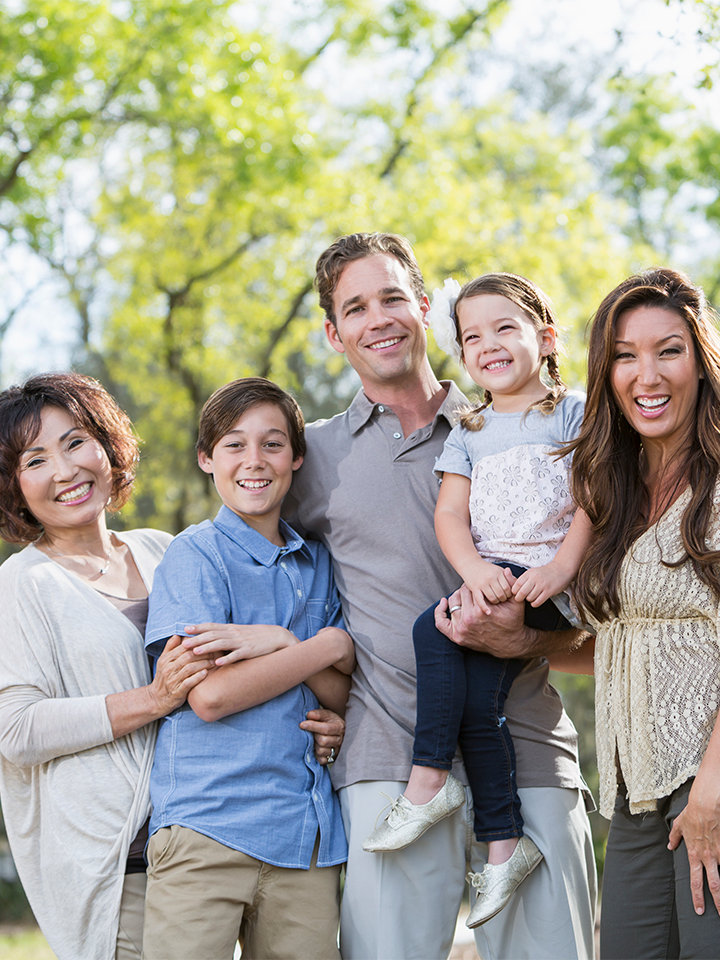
column 251, row 780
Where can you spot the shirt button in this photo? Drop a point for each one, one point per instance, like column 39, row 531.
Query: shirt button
column 283, row 565
column 381, row 409
column 299, row 593
column 397, row 436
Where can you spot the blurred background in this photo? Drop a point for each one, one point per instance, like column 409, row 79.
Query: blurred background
column 171, row 169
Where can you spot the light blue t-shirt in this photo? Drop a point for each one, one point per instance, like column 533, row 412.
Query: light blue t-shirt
column 520, row 503
column 251, row 780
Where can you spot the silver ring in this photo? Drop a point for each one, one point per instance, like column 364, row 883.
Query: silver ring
column 331, row 758
column 457, row 606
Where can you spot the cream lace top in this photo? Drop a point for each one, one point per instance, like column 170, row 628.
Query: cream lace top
column 657, row 670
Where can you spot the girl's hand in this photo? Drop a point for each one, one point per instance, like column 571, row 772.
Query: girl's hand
column 490, row 584
column 236, row 641
column 177, row 672
column 699, row 826
column 328, row 729
column 539, row 584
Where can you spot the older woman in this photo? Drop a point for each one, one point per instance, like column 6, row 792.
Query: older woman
column 76, row 701
column 645, row 469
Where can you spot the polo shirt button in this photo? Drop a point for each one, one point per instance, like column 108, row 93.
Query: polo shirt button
column 381, row 409
column 283, row 565
column 397, row 436
column 299, row 593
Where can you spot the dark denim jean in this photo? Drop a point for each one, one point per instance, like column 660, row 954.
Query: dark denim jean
column 461, row 697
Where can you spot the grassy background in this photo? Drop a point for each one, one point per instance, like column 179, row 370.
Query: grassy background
column 23, row 943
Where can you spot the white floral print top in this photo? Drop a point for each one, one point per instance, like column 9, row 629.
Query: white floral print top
column 520, row 503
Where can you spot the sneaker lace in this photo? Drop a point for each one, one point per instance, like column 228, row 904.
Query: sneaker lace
column 392, row 802
column 476, row 879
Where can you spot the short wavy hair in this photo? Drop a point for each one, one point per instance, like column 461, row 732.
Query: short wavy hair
column 92, row 408
column 357, row 246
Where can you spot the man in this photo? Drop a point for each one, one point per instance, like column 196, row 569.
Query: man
column 367, row 491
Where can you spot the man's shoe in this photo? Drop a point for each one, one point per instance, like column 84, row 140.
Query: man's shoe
column 497, row 883
column 408, row 821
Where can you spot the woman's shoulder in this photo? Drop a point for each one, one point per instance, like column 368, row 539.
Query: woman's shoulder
column 156, row 541
column 20, row 563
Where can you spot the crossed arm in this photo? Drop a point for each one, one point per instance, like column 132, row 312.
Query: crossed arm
column 324, row 662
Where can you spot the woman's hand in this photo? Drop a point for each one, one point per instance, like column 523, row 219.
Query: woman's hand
column 178, row 671
column 699, row 826
column 241, row 641
column 328, row 729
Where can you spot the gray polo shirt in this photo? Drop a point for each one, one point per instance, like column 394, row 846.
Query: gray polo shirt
column 369, row 494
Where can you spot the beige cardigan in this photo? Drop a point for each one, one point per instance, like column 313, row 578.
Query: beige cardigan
column 72, row 797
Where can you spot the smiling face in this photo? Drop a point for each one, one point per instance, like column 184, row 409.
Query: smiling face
column 655, row 376
column 252, row 466
column 381, row 326
column 503, row 350
column 64, row 475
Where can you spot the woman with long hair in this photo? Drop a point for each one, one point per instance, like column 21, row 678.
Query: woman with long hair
column 646, row 469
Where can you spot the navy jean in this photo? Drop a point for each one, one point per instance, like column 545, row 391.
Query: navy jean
column 461, row 697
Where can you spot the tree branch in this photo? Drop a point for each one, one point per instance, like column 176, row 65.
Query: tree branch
column 278, row 333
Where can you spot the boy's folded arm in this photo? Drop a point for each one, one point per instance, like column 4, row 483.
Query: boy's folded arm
column 332, row 685
column 239, row 686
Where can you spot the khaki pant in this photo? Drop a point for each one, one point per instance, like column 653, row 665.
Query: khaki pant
column 132, row 911
column 203, row 896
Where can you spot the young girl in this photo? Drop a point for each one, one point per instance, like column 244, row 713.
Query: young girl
column 504, row 506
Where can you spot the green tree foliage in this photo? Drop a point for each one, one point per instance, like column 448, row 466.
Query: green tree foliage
column 182, row 171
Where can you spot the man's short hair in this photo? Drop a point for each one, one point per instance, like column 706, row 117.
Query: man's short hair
column 356, row 246
column 225, row 407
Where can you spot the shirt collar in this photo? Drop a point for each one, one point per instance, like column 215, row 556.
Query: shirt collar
column 362, row 409
column 254, row 543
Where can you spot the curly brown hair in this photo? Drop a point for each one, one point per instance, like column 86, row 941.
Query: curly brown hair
column 356, row 246
column 607, row 478
column 539, row 310
column 92, row 408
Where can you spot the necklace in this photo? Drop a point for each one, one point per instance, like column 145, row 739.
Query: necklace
column 76, row 556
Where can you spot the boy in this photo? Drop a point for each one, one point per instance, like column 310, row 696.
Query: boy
column 246, row 835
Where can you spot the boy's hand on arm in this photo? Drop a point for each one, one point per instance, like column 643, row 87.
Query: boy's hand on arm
column 236, row 641
column 540, row 583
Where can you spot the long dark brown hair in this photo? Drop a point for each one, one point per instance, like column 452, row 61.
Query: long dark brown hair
column 607, row 480
column 538, row 308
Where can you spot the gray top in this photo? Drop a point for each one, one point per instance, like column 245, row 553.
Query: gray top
column 369, row 495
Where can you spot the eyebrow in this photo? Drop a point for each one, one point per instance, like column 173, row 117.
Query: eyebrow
column 358, row 298
column 266, row 433
column 670, row 336
column 63, row 437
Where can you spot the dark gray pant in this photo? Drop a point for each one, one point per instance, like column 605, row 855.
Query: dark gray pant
column 647, row 911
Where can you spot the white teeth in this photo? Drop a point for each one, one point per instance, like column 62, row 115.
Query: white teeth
column 651, row 403
column 497, row 364
column 75, row 494
column 385, row 343
column 254, row 484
